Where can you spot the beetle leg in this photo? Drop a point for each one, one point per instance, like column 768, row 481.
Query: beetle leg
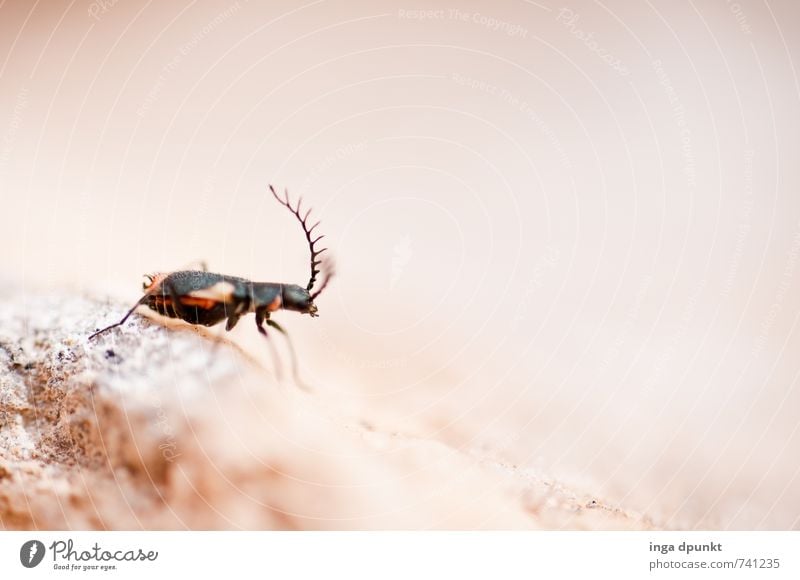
column 233, row 318
column 271, row 323
column 261, row 316
column 242, row 307
column 168, row 290
column 141, row 301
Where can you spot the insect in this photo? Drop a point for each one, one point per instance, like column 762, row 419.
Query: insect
column 205, row 298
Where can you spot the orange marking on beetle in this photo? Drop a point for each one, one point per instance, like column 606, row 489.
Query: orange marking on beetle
column 204, row 303
column 275, row 304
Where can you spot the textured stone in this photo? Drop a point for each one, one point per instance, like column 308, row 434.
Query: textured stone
column 163, row 426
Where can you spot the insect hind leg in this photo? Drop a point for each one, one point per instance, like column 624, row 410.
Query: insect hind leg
column 141, row 301
column 295, row 367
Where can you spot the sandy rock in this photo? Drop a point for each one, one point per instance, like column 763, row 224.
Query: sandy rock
column 158, row 425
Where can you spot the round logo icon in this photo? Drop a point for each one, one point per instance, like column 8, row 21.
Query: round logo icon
column 31, row 553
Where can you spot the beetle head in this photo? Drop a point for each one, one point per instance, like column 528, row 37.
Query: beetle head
column 153, row 281
column 298, row 299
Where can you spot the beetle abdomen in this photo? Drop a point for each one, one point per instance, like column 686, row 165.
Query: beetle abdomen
column 203, row 297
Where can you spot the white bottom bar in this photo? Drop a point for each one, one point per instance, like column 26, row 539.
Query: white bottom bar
column 505, row 555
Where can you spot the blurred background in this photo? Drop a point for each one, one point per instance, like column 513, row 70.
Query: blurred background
column 566, row 236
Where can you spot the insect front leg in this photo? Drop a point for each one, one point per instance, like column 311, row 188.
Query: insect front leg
column 233, row 319
column 295, row 367
column 261, row 316
column 239, row 308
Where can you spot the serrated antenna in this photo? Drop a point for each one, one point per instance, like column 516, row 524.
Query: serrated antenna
column 286, row 202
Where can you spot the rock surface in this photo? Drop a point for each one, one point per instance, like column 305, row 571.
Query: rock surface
column 163, row 426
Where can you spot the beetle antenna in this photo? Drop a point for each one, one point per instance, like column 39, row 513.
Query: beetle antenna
column 285, row 201
column 329, row 271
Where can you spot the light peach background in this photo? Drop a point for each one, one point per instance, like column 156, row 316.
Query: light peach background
column 567, row 235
